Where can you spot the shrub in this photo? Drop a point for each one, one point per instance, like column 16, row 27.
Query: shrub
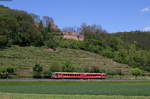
column 3, row 41
column 37, row 71
column 7, row 72
column 136, row 72
column 52, row 43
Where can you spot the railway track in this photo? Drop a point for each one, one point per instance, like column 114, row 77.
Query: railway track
column 78, row 80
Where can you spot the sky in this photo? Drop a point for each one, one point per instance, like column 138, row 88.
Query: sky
column 112, row 15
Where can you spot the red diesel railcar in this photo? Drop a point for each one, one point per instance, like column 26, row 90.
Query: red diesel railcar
column 79, row 75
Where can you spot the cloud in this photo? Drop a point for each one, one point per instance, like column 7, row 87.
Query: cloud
column 147, row 28
column 145, row 9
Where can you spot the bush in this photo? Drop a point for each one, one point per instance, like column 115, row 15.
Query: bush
column 136, row 72
column 7, row 72
column 52, row 43
column 3, row 41
column 37, row 71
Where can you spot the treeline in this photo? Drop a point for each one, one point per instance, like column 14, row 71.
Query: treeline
column 23, row 29
column 140, row 38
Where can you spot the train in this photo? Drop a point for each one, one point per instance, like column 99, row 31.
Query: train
column 75, row 75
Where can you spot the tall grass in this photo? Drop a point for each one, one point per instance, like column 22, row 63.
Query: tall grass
column 45, row 96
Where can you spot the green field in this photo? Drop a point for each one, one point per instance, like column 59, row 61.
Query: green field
column 46, row 96
column 78, row 88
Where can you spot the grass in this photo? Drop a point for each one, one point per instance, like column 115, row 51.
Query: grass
column 46, row 96
column 24, row 58
column 78, row 88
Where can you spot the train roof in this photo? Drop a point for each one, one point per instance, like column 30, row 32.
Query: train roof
column 77, row 73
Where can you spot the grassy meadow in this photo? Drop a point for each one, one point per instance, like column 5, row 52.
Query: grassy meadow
column 78, row 88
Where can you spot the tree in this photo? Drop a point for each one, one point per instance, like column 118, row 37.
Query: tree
column 49, row 25
column 136, row 72
column 35, row 17
column 92, row 31
column 19, row 27
column 37, row 69
column 115, row 43
column 52, row 43
column 46, row 20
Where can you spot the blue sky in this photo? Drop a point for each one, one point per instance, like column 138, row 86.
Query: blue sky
column 112, row 15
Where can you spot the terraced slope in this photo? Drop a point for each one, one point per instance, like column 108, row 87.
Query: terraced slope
column 24, row 58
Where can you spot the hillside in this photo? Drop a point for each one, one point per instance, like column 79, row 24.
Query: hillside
column 26, row 30
column 142, row 39
column 24, row 58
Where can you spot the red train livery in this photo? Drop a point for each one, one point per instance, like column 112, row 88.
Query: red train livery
column 79, row 75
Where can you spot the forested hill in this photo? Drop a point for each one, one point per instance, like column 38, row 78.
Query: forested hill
column 24, row 29
column 142, row 39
